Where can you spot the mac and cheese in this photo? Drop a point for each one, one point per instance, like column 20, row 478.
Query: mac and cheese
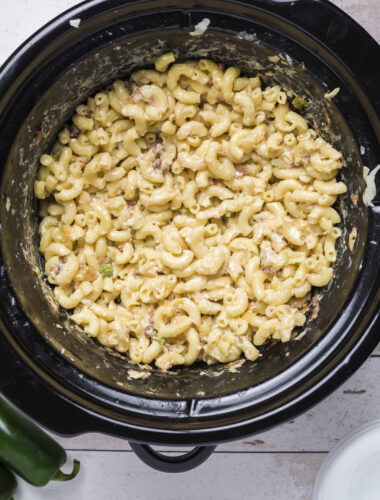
column 187, row 213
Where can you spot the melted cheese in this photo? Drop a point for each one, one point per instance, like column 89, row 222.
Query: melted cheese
column 201, row 27
column 370, row 190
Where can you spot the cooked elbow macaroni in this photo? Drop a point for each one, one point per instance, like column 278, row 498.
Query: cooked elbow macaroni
column 187, row 213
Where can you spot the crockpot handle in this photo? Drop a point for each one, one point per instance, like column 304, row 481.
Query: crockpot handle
column 165, row 463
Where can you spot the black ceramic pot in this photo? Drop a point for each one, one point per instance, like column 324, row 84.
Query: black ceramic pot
column 71, row 384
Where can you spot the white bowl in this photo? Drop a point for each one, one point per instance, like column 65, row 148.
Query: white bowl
column 351, row 471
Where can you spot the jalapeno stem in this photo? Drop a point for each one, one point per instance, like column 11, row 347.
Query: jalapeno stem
column 62, row 476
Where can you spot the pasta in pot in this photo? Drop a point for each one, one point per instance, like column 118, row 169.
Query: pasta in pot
column 187, row 213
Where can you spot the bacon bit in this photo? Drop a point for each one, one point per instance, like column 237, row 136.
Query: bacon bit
column 102, row 260
column 151, row 316
column 157, row 147
column 202, row 340
column 41, row 135
column 131, row 203
column 89, row 112
column 136, row 95
column 268, row 270
column 148, row 331
column 74, row 130
column 306, row 156
column 169, row 348
column 129, row 86
column 355, row 198
column 57, row 269
column 241, row 172
column 83, row 159
column 156, row 165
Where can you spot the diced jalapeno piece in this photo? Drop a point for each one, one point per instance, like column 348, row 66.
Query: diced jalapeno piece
column 106, row 269
column 154, row 336
column 184, row 211
column 299, row 102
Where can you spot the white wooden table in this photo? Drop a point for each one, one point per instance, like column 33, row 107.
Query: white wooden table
column 278, row 464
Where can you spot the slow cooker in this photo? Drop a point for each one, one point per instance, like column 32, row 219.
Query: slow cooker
column 65, row 380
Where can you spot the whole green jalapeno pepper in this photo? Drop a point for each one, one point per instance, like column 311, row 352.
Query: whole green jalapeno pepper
column 29, row 451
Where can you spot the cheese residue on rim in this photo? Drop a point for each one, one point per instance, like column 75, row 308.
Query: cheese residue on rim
column 332, row 93
column 201, row 27
column 243, row 35
column 370, row 190
column 135, row 375
column 74, row 23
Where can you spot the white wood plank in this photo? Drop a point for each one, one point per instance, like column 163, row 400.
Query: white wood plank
column 353, row 404
column 121, row 475
column 365, row 12
column 376, row 352
column 21, row 18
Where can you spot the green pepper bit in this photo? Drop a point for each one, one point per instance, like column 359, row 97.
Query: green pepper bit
column 27, row 449
column 62, row 476
column 107, row 269
column 8, row 483
column 184, row 211
column 154, row 336
column 56, row 155
column 299, row 102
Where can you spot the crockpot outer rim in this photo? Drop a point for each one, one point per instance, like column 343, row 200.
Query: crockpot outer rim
column 332, row 379
column 80, row 419
column 365, row 70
